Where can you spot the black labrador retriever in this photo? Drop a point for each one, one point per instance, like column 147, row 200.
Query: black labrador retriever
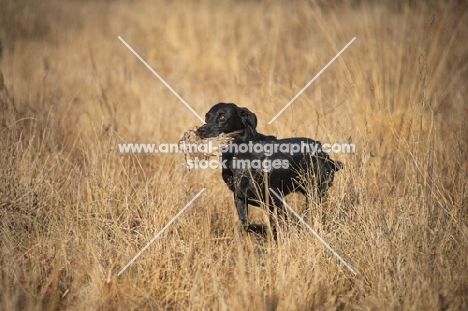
column 252, row 163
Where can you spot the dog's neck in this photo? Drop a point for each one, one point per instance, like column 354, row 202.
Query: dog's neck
column 249, row 134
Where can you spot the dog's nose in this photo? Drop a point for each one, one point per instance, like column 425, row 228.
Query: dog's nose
column 201, row 132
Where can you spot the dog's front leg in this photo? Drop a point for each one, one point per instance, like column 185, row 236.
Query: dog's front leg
column 241, row 206
column 242, row 210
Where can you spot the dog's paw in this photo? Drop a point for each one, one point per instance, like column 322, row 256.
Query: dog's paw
column 257, row 228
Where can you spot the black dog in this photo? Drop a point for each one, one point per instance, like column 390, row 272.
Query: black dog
column 251, row 160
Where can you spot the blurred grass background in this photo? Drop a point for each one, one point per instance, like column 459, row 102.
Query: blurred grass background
column 73, row 211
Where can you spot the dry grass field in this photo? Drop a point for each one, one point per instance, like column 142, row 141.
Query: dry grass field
column 74, row 211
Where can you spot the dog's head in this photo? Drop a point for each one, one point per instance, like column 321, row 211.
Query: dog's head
column 227, row 118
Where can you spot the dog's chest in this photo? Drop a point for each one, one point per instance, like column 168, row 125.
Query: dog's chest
column 243, row 171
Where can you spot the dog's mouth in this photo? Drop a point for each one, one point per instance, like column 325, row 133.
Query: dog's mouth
column 233, row 134
column 191, row 139
column 205, row 133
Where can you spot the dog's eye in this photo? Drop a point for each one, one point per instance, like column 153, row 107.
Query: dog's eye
column 222, row 118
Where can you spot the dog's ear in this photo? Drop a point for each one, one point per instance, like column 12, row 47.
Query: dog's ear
column 248, row 117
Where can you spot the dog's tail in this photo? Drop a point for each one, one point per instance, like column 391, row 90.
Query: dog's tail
column 338, row 165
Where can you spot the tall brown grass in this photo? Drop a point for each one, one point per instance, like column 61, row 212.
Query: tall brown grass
column 74, row 211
